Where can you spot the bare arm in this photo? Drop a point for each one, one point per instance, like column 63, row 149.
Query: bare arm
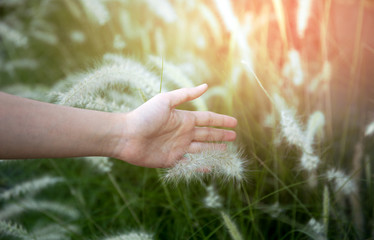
column 32, row 129
column 153, row 135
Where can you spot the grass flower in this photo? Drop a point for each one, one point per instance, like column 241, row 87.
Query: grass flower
column 13, row 209
column 77, row 36
column 30, row 187
column 118, row 42
column 20, row 64
column 36, row 92
column 212, row 200
column 294, row 133
column 52, row 231
column 369, row 129
column 11, row 3
column 45, row 36
column 13, row 36
column 274, row 210
column 163, row 9
column 97, row 11
column 303, row 14
column 316, row 229
column 124, row 75
column 131, row 236
column 13, row 230
column 342, row 182
column 231, row 226
column 315, row 124
column 227, row 14
column 292, row 69
column 225, row 165
column 321, row 78
column 326, row 208
column 101, row 164
column 291, row 129
column 309, row 162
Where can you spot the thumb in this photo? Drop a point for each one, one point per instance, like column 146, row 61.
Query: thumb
column 183, row 95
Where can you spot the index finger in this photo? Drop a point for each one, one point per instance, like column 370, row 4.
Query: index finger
column 182, row 95
column 214, row 119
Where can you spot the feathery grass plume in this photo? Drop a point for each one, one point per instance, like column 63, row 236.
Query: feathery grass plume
column 96, row 10
column 13, row 36
column 44, row 36
column 13, row 209
column 321, row 78
column 30, row 187
column 36, row 92
column 101, row 164
column 162, row 9
column 369, row 129
column 131, row 236
column 77, row 36
column 293, row 132
column 212, row 22
column 227, row 14
column 118, row 42
column 292, row 69
column 11, row 3
column 316, row 122
column 279, row 103
column 125, row 75
column 230, row 225
column 160, row 42
column 200, row 40
column 226, row 165
column 232, row 25
column 274, row 210
column 13, row 230
column 212, row 200
column 315, row 229
column 342, row 182
column 173, row 75
column 309, row 162
column 128, row 25
column 303, row 14
column 52, row 231
column 326, row 208
column 291, row 129
column 16, row 64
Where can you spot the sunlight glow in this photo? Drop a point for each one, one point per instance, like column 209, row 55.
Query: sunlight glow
column 303, row 14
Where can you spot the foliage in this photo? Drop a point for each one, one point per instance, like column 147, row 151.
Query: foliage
column 300, row 96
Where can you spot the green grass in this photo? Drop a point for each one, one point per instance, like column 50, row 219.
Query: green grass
column 131, row 198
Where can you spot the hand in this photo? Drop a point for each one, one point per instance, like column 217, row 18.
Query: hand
column 157, row 135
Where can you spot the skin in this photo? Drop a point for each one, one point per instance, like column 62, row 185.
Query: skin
column 155, row 135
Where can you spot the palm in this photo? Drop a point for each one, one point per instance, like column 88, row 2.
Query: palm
column 162, row 134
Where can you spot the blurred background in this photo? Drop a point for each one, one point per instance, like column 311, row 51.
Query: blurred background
column 259, row 58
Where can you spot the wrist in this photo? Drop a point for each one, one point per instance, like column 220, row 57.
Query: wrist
column 118, row 141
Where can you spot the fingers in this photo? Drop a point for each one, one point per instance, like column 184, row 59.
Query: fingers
column 203, row 134
column 214, row 119
column 196, row 147
column 183, row 95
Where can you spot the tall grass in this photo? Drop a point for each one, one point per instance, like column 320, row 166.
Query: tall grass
column 300, row 93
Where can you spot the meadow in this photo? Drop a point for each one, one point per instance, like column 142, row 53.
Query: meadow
column 296, row 75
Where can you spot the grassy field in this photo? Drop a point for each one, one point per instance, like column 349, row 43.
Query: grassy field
column 296, row 75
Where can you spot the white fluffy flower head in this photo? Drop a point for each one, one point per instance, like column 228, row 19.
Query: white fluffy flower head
column 342, row 182
column 212, row 200
column 220, row 164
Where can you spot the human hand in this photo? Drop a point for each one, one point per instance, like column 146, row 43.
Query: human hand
column 157, row 135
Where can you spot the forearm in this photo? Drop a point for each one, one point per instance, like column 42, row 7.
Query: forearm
column 32, row 129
